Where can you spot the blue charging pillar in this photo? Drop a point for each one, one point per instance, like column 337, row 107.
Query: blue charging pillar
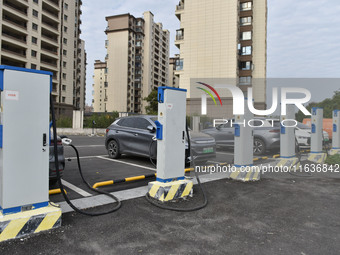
column 336, row 133
column 316, row 153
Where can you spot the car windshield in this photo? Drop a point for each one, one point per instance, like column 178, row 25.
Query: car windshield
column 302, row 126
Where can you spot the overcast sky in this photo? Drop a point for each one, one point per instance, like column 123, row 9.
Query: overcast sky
column 303, row 36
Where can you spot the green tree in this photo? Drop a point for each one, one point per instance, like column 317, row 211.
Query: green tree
column 152, row 100
column 328, row 105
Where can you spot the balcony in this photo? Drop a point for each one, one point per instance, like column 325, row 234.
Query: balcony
column 53, row 3
column 14, row 20
column 13, row 35
column 50, row 49
column 44, row 59
column 5, row 60
column 17, row 7
column 179, row 10
column 50, row 23
column 51, row 12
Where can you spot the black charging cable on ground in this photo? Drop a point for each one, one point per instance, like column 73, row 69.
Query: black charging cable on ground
column 299, row 155
column 153, row 201
column 55, row 139
column 153, row 140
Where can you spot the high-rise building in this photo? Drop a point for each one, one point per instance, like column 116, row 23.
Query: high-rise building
column 173, row 79
column 100, row 86
column 137, row 62
column 221, row 39
column 44, row 35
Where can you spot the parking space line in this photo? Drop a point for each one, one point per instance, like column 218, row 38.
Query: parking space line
column 84, row 146
column 85, row 157
column 76, row 189
column 215, row 162
column 225, row 153
column 127, row 163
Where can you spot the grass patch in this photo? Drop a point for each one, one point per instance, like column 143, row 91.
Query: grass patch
column 332, row 160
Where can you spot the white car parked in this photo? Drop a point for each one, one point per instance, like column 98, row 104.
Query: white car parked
column 303, row 134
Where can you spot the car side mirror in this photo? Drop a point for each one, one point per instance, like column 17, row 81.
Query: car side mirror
column 151, row 128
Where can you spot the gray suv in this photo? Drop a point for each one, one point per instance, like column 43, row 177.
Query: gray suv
column 266, row 138
column 135, row 135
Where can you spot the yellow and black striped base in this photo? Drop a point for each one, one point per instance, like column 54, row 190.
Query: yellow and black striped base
column 291, row 163
column 244, row 174
column 170, row 190
column 21, row 224
column 334, row 152
column 317, row 157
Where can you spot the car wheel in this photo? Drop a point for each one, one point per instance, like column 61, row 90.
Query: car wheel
column 113, row 149
column 259, row 147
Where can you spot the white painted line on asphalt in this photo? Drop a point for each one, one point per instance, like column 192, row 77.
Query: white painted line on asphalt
column 84, row 146
column 127, row 163
column 215, row 162
column 225, row 153
column 76, row 189
column 85, row 157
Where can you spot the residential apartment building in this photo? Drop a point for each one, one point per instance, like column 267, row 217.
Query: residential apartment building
column 44, row 35
column 100, row 86
column 137, row 62
column 225, row 41
column 173, row 78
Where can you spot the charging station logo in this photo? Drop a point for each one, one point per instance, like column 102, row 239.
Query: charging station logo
column 204, row 96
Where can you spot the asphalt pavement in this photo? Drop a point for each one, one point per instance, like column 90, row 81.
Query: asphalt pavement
column 281, row 214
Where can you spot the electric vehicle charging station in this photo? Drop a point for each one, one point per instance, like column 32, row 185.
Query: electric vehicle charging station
column 287, row 140
column 243, row 169
column 316, row 153
column 336, row 133
column 24, row 153
column 171, row 139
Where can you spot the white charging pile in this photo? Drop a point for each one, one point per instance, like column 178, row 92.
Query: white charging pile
column 243, row 169
column 171, row 139
column 316, row 153
column 24, row 153
column 287, row 139
column 336, row 133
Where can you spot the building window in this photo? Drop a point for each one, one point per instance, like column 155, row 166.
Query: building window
column 33, row 66
column 245, row 35
column 64, row 87
column 245, row 65
column 64, row 75
column 65, row 41
column 179, row 64
column 244, row 21
column 64, row 64
column 36, row 1
column 180, row 34
column 63, row 99
column 246, row 6
column 64, row 52
column 34, row 53
column 35, row 13
column 34, row 40
column 66, row 6
column 65, row 29
column 65, row 17
column 246, row 80
column 34, row 26
column 246, row 50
